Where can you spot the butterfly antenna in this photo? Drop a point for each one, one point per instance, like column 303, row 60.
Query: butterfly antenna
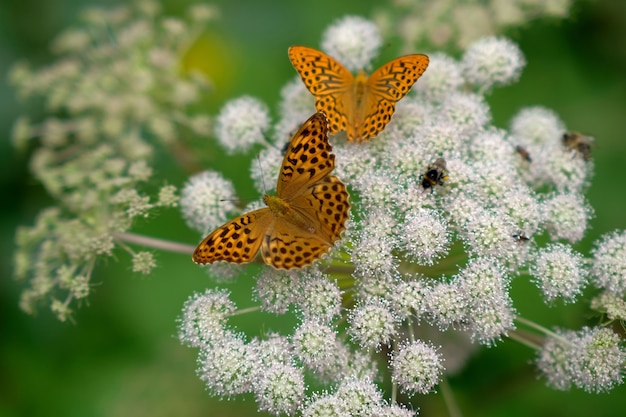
column 262, row 176
column 267, row 138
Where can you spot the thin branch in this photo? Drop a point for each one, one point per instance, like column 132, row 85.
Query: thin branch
column 448, row 398
column 155, row 243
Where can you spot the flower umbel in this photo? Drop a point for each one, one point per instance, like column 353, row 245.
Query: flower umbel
column 447, row 211
column 437, row 258
column 118, row 86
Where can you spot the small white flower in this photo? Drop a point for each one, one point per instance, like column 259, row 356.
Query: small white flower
column 523, row 208
column 358, row 396
column 280, row 389
column 416, row 367
column 442, row 78
column 393, row 410
column 608, row 303
column 559, row 272
column 277, row 289
column 491, row 62
column 320, row 298
column 407, row 298
column 484, row 284
column 143, row 262
column 206, row 199
column 353, row 160
column 446, row 305
column 372, row 253
column 567, row 216
column 468, row 112
column 372, row 324
column 565, row 171
column 242, row 122
column 609, row 262
column 353, row 41
column 488, row 232
column 537, row 125
column 296, row 105
column 203, row 318
column 228, row 367
column 316, row 345
column 591, row 359
column 325, row 406
column 271, row 350
column 425, row 236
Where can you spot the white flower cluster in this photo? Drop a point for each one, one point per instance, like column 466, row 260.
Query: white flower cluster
column 459, row 23
column 429, row 257
column 590, row 359
column 113, row 96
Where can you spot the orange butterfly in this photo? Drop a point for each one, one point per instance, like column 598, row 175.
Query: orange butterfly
column 359, row 105
column 301, row 222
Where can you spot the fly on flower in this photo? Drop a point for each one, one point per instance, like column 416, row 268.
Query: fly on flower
column 523, row 152
column 521, row 237
column 361, row 105
column 301, row 222
column 579, row 143
column 436, row 173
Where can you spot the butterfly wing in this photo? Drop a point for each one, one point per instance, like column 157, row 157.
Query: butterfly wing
column 236, row 241
column 328, row 80
column 326, row 207
column 308, row 158
column 287, row 247
column 384, row 88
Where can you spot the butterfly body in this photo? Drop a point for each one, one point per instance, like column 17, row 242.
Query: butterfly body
column 361, row 105
column 283, row 210
column 301, row 222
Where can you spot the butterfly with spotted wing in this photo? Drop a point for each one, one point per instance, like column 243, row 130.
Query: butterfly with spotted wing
column 301, row 222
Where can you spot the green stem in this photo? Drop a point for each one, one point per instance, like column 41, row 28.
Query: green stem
column 154, row 242
column 448, row 398
column 524, row 341
column 542, row 329
column 246, row 311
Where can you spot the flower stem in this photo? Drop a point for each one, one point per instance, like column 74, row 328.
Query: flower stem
column 542, row 329
column 246, row 311
column 155, row 243
column 448, row 398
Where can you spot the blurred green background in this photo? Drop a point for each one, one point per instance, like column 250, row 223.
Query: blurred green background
column 122, row 358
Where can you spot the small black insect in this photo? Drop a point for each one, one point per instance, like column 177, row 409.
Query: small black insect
column 523, row 153
column 521, row 237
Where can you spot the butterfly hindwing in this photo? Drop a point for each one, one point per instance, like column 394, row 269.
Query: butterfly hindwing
column 286, row 249
column 327, row 203
column 335, row 108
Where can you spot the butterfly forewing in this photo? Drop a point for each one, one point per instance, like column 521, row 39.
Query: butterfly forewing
column 236, row 241
column 321, row 73
column 308, row 158
column 393, row 80
column 327, row 80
